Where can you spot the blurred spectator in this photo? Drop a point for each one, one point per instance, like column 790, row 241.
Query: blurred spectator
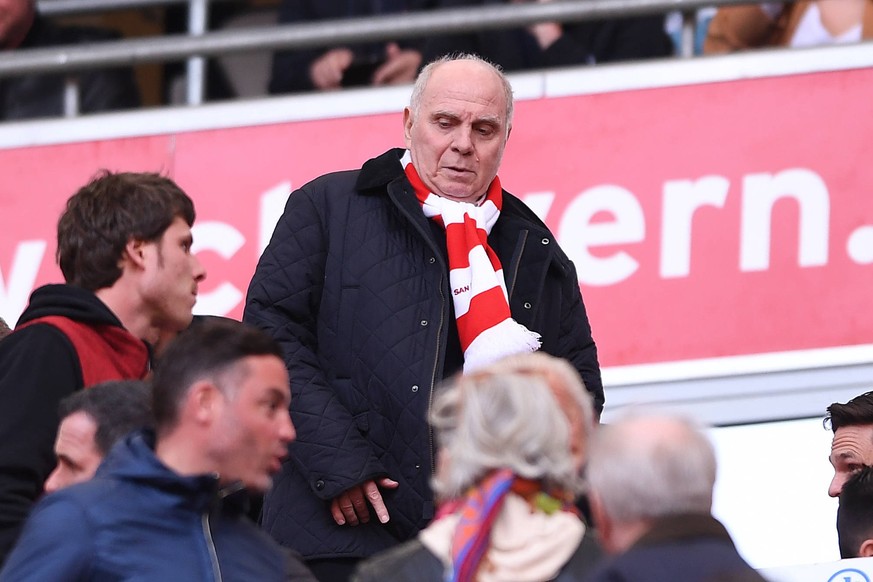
column 4, row 329
column 855, row 515
column 169, row 504
column 42, row 95
column 92, row 421
column 852, row 446
column 651, row 479
column 794, row 24
column 376, row 63
column 553, row 44
column 508, row 470
column 673, row 23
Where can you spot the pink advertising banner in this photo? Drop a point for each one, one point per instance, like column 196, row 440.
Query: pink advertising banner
column 705, row 221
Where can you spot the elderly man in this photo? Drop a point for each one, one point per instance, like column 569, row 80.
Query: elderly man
column 169, row 504
column 124, row 247
column 92, row 421
column 651, row 480
column 852, row 447
column 381, row 282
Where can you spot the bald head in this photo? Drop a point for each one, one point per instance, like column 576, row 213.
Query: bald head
column 647, row 466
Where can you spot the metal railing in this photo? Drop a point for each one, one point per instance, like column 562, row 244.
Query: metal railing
column 198, row 44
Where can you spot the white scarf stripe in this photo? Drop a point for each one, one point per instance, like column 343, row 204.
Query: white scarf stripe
column 505, row 337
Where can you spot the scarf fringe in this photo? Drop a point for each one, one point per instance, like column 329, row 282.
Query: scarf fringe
column 504, row 339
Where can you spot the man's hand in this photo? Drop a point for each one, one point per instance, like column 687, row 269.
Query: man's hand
column 401, row 66
column 327, row 70
column 350, row 507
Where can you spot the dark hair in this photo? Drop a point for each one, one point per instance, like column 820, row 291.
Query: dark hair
column 855, row 514
column 210, row 349
column 117, row 407
column 105, row 214
column 856, row 412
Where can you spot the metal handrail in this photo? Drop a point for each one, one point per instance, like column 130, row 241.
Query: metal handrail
column 326, row 33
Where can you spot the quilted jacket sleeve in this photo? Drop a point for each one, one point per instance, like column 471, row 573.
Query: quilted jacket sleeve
column 576, row 342
column 284, row 299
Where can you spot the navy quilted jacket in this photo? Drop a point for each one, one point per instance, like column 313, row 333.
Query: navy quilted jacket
column 354, row 285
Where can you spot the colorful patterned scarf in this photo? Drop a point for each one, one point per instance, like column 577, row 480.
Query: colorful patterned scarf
column 485, row 325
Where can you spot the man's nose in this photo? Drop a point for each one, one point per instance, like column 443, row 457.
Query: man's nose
column 52, row 484
column 836, row 485
column 462, row 142
column 199, row 271
column 287, row 432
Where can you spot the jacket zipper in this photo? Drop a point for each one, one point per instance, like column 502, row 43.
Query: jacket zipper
column 433, row 379
column 210, row 543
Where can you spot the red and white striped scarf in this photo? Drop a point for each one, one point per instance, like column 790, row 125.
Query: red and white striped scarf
column 485, row 325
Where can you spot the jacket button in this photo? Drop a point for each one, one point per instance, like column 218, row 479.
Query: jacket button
column 415, row 388
column 526, row 305
column 431, row 260
column 417, row 466
column 423, row 323
column 319, row 484
column 546, row 241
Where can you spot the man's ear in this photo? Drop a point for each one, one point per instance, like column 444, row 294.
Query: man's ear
column 866, row 549
column 407, row 126
column 134, row 252
column 601, row 520
column 202, row 402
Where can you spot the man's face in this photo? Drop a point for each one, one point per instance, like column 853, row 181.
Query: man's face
column 851, row 448
column 254, row 428
column 77, row 453
column 16, row 18
column 458, row 135
column 171, row 275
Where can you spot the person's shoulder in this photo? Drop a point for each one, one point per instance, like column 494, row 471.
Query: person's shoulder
column 410, row 561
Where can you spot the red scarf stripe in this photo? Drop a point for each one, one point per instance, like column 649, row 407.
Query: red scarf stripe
column 489, row 308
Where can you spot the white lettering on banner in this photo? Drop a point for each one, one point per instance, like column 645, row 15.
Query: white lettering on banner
column 681, row 200
column 225, row 240
column 577, row 233
column 760, row 193
column 272, row 205
column 15, row 290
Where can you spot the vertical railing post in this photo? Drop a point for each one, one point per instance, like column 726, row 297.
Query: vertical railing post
column 71, row 96
column 198, row 14
column 689, row 25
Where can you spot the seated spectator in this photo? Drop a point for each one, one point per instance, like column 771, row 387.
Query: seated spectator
column 650, row 486
column 4, row 329
column 92, row 421
column 852, row 446
column 855, row 515
column 794, row 24
column 376, row 63
column 508, row 471
column 42, row 95
column 553, row 44
column 169, row 504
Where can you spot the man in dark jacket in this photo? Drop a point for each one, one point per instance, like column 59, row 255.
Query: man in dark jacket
column 42, row 95
column 554, row 44
column 376, row 293
column 124, row 247
column 169, row 504
column 650, row 485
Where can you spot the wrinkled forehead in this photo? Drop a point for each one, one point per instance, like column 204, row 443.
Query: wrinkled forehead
column 466, row 84
column 856, row 440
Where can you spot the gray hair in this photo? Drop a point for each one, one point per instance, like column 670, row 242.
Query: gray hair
column 424, row 77
column 488, row 420
column 650, row 465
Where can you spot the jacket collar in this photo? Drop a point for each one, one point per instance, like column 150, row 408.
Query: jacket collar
column 133, row 459
column 683, row 526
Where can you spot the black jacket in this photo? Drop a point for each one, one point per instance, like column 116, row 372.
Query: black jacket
column 42, row 95
column 39, row 366
column 354, row 285
column 139, row 520
column 587, row 42
column 690, row 548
